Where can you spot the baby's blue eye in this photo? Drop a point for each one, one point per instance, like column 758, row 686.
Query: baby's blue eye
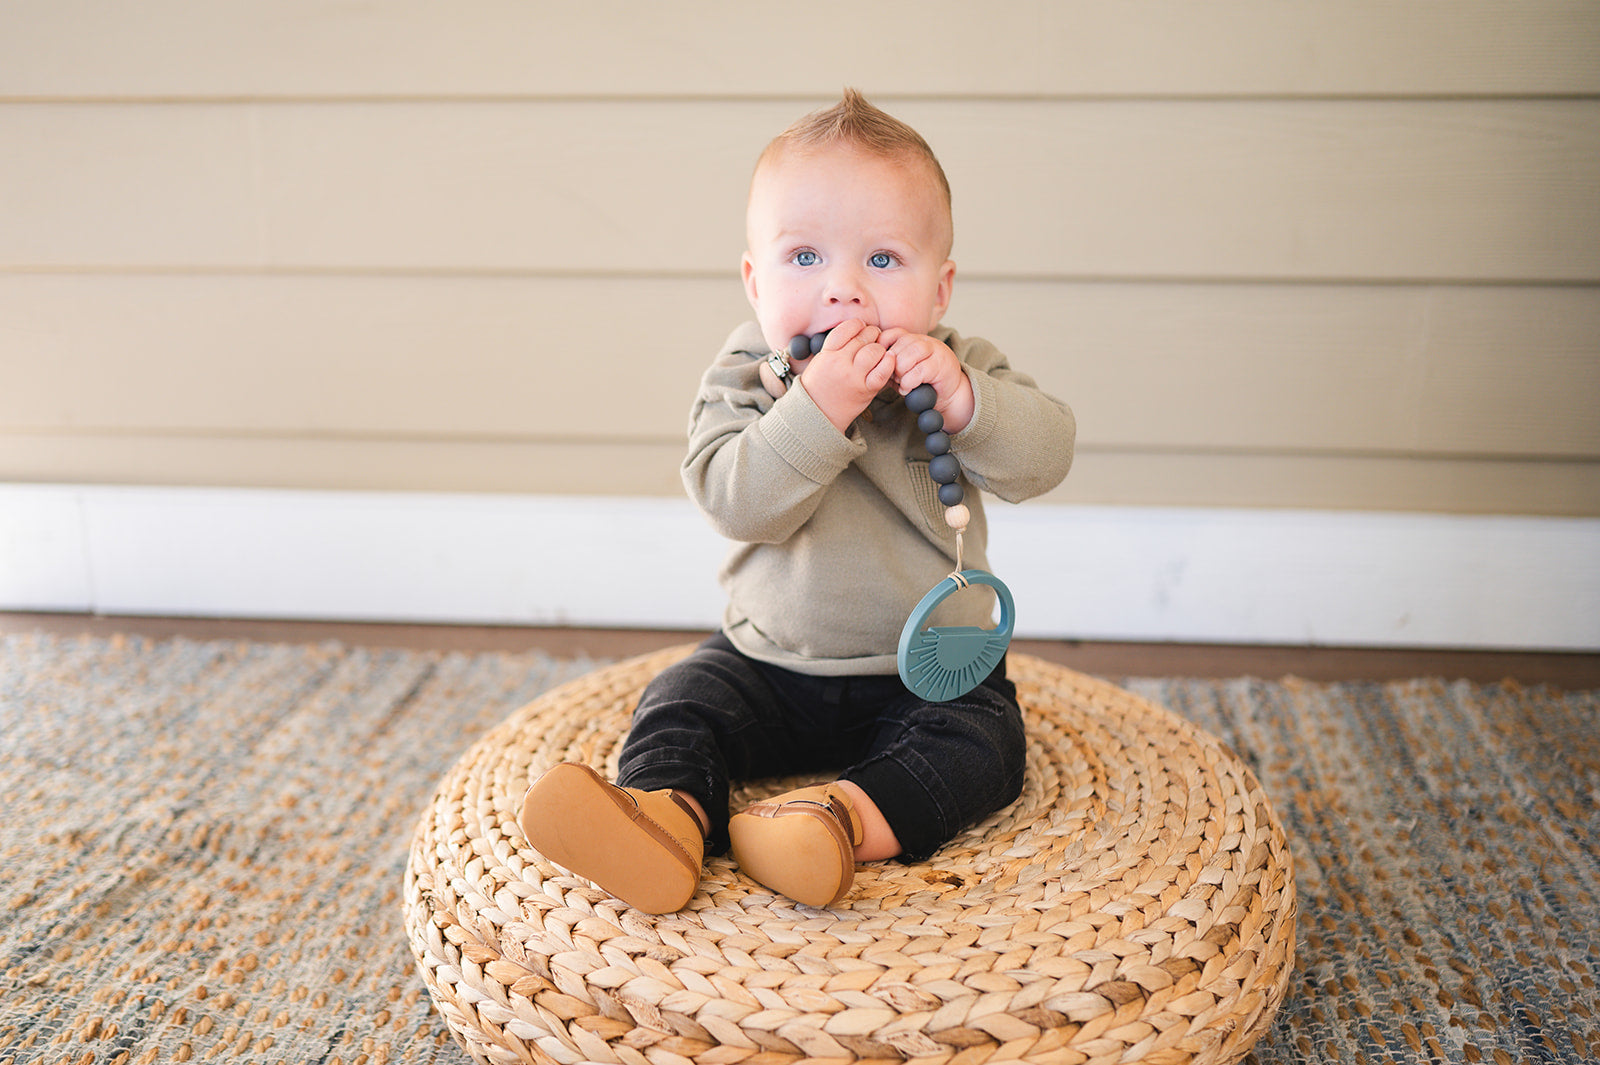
column 805, row 258
column 882, row 260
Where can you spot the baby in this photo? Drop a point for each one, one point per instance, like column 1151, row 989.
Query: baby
column 820, row 478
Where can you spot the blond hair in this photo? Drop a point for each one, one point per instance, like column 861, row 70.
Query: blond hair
column 858, row 124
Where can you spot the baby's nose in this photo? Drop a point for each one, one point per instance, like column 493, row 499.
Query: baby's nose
column 844, row 286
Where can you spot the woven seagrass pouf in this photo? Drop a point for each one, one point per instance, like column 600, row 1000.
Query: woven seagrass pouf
column 1136, row 903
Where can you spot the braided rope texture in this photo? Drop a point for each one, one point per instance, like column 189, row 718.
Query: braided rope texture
column 1136, row 904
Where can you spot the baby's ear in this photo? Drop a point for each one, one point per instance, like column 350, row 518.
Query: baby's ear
column 947, row 281
column 747, row 273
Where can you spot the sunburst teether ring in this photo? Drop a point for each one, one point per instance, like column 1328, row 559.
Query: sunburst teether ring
column 940, row 664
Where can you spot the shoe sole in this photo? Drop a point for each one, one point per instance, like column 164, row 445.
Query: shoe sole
column 580, row 822
column 801, row 853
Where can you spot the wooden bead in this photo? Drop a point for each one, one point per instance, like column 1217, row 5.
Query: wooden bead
column 957, row 517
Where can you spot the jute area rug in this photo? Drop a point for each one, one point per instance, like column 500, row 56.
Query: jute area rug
column 202, row 848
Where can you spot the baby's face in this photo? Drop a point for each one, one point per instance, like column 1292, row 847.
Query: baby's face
column 837, row 233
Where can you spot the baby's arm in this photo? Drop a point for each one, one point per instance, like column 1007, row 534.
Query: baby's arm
column 757, row 468
column 1019, row 441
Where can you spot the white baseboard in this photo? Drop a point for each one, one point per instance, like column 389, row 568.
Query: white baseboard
column 1086, row 572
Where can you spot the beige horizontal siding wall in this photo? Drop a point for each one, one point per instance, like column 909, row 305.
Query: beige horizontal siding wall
column 1338, row 255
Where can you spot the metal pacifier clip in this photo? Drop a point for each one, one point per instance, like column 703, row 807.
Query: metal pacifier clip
column 945, row 662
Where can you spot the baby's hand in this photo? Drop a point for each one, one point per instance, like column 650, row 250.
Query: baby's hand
column 920, row 359
column 851, row 368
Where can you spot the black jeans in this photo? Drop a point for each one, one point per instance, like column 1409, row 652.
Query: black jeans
column 933, row 769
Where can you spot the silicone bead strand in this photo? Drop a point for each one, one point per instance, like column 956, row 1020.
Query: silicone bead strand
column 943, row 467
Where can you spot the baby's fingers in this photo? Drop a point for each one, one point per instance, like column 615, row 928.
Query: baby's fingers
column 851, row 330
column 880, row 375
column 912, row 363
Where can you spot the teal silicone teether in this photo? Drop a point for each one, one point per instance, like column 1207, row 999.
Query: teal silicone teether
column 941, row 664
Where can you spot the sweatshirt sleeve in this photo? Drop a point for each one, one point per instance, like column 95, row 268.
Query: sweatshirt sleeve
column 758, row 467
column 1020, row 441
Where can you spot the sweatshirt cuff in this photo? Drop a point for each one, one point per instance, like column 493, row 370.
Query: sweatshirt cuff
column 803, row 437
column 985, row 412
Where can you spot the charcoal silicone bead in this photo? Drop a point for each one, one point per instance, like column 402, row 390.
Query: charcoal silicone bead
column 921, row 398
column 799, row 346
column 944, row 469
column 816, row 342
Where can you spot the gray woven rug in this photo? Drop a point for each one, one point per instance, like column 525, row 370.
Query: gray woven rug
column 202, row 849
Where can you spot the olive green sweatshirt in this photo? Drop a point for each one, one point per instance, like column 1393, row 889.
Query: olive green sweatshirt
column 837, row 537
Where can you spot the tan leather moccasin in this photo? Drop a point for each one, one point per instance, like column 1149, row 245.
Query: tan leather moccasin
column 643, row 847
column 800, row 844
